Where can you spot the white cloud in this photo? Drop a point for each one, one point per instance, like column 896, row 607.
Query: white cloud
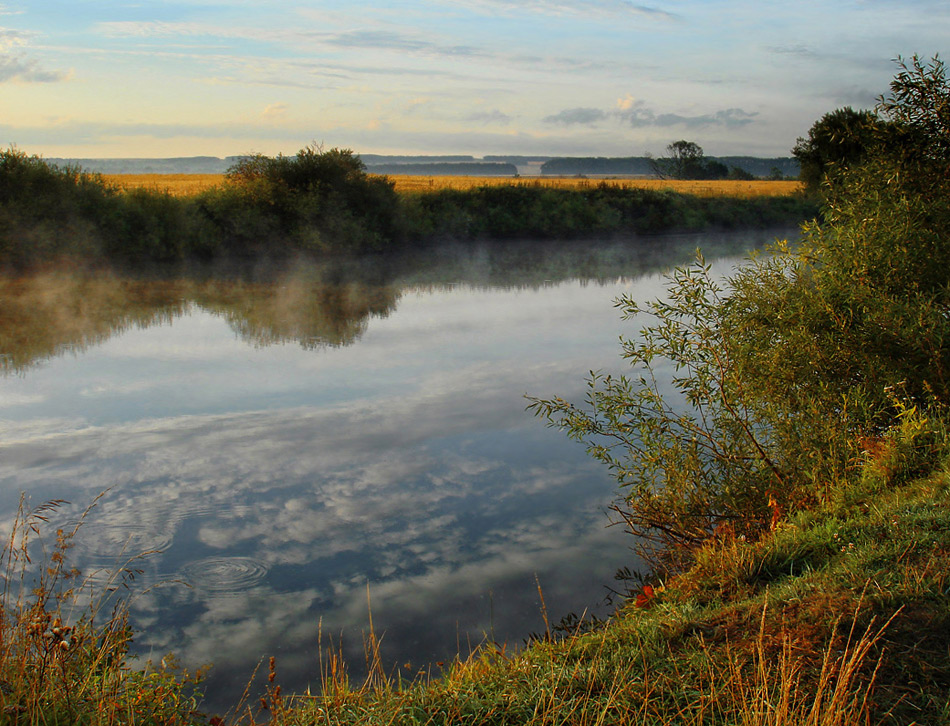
column 573, row 7
column 17, row 67
column 639, row 115
column 10, row 38
column 626, row 103
column 158, row 29
column 275, row 111
column 576, row 116
column 20, row 399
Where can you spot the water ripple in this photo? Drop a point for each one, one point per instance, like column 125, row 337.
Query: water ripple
column 224, row 575
column 128, row 540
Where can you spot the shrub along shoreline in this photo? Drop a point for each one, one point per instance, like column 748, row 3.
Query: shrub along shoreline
column 323, row 202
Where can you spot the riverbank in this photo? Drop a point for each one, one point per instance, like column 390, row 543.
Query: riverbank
column 323, row 203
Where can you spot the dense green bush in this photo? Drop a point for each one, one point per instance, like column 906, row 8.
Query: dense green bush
column 46, row 210
column 317, row 200
column 910, row 125
column 501, row 212
column 750, row 396
column 838, row 139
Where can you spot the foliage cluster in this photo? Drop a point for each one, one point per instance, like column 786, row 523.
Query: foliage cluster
column 315, row 201
column 549, row 212
column 686, row 160
column 758, row 395
column 911, row 124
column 40, row 205
column 841, row 137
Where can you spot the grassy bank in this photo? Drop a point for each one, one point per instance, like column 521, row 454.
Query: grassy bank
column 324, row 203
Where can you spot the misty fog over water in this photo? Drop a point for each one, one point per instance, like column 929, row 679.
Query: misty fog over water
column 297, row 446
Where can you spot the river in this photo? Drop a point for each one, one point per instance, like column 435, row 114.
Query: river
column 299, row 448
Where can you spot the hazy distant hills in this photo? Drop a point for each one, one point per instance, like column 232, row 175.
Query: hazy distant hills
column 443, row 165
column 456, row 168
column 642, row 165
column 180, row 165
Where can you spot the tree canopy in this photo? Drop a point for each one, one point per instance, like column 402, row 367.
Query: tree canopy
column 686, row 160
column 839, row 138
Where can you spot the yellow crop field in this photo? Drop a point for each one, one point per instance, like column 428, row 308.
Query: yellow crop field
column 186, row 184
column 718, row 188
column 178, row 185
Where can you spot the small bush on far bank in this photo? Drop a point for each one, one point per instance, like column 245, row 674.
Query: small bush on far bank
column 317, row 200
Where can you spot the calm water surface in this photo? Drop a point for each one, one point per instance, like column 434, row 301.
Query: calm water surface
column 297, row 446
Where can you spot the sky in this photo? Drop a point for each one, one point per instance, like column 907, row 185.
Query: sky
column 107, row 78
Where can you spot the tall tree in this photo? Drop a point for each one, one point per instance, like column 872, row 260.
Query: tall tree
column 840, row 138
column 685, row 160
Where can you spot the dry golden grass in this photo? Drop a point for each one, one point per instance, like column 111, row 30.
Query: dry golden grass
column 180, row 185
column 725, row 187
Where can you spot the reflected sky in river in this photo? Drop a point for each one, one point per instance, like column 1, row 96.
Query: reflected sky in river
column 281, row 441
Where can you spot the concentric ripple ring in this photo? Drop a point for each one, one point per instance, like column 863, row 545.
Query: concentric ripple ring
column 123, row 540
column 224, row 575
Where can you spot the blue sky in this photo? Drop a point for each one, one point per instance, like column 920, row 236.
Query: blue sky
column 551, row 77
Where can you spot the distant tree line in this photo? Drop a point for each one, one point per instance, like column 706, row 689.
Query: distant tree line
column 568, row 166
column 425, row 165
column 171, row 165
column 470, row 168
column 780, row 167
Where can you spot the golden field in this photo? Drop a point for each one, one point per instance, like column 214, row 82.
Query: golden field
column 180, row 185
column 718, row 188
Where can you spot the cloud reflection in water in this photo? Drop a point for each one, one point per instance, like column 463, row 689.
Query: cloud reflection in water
column 281, row 479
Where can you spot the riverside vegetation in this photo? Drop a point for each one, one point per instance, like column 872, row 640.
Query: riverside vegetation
column 796, row 508
column 321, row 202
